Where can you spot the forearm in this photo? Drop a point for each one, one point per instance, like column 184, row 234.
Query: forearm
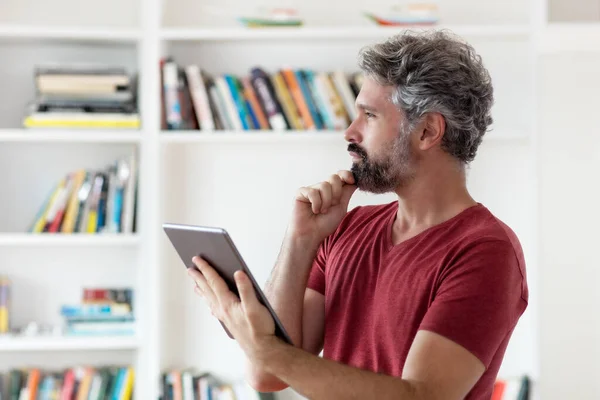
column 318, row 378
column 285, row 291
column 287, row 285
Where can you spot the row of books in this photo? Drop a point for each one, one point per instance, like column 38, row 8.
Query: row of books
column 188, row 385
column 286, row 99
column 102, row 312
column 83, row 96
column 92, row 201
column 81, row 382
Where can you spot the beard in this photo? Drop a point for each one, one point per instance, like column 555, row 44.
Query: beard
column 393, row 168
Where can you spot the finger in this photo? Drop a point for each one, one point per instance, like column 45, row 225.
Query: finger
column 201, row 283
column 214, row 282
column 336, row 189
column 312, row 196
column 246, row 290
column 201, row 289
column 346, row 176
column 214, row 310
column 250, row 303
column 347, row 192
column 324, row 189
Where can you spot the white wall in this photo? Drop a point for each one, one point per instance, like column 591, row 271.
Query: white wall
column 569, row 151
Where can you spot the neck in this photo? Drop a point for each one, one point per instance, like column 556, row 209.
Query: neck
column 436, row 194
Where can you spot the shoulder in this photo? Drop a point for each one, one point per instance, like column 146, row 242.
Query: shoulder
column 484, row 242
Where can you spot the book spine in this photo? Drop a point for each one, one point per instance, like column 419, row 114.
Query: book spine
column 200, row 98
column 266, row 96
column 172, row 105
column 343, row 87
column 339, row 112
column 250, row 94
column 322, row 100
column 4, row 305
column 240, row 105
column 229, row 103
column 309, row 98
column 287, row 103
column 294, row 86
column 221, row 113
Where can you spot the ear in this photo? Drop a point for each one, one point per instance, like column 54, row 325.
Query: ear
column 433, row 128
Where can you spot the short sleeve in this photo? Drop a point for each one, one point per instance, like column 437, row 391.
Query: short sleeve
column 479, row 298
column 316, row 278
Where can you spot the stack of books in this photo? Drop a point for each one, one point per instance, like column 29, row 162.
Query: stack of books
column 186, row 384
column 287, row 99
column 92, row 201
column 102, row 312
column 269, row 17
column 83, row 96
column 410, row 14
column 81, row 382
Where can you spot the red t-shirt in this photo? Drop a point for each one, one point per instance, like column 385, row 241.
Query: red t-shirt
column 463, row 279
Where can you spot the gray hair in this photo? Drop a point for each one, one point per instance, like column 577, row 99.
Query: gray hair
column 436, row 72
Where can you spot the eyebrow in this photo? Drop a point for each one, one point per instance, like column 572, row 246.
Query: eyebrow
column 365, row 107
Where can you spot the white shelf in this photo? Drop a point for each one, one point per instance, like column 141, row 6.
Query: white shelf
column 311, row 136
column 62, row 135
column 59, row 239
column 62, row 343
column 570, row 37
column 249, row 136
column 70, row 33
column 307, row 32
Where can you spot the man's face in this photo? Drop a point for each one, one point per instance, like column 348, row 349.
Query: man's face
column 382, row 156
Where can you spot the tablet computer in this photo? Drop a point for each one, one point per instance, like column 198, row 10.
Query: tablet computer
column 214, row 245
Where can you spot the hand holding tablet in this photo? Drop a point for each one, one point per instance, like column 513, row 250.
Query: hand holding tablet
column 214, row 245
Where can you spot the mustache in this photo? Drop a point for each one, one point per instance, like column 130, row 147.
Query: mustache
column 354, row 148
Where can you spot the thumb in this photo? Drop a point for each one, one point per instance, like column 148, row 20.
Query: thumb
column 347, row 191
column 245, row 288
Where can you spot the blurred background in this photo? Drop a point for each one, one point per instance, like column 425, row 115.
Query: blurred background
column 117, row 116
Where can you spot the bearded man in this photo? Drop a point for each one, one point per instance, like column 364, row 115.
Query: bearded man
column 414, row 299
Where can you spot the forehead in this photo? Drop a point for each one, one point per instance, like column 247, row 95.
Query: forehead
column 374, row 95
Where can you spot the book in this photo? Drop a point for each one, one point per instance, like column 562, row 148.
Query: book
column 4, row 304
column 515, row 388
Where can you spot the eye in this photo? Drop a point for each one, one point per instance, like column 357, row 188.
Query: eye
column 369, row 115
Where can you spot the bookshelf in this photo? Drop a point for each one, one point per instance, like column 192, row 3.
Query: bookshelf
column 296, row 136
column 54, row 344
column 363, row 32
column 213, row 178
column 82, row 240
column 73, row 33
column 69, row 136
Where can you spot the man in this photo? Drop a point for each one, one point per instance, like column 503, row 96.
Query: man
column 415, row 299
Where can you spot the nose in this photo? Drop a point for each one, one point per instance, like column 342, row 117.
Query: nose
column 352, row 133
